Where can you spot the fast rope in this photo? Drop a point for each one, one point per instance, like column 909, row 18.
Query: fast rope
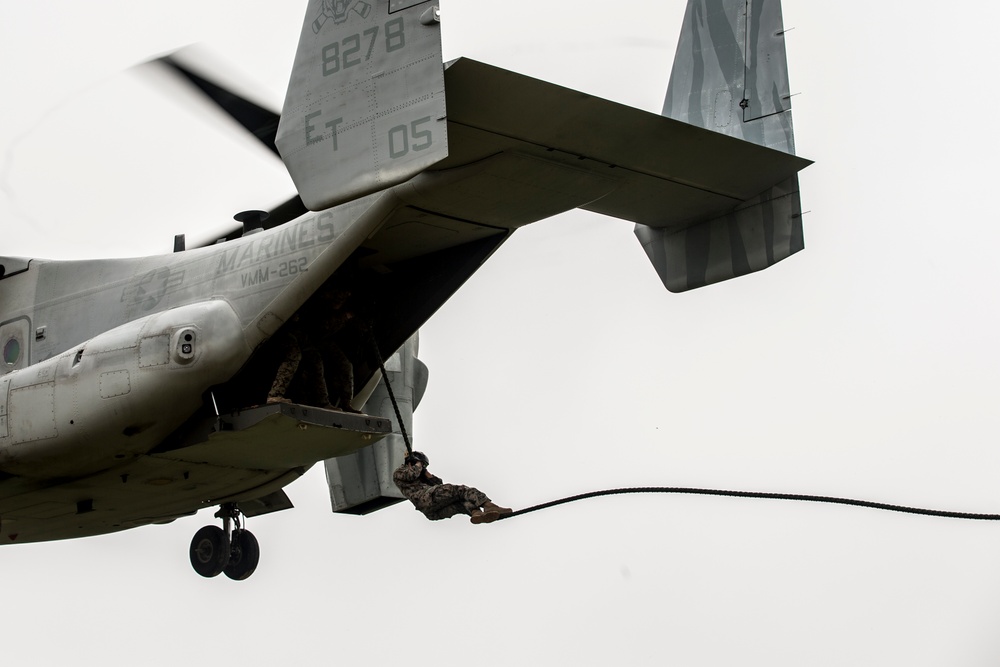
column 392, row 397
column 693, row 491
column 758, row 494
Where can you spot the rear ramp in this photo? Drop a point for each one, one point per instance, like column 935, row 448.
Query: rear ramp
column 282, row 436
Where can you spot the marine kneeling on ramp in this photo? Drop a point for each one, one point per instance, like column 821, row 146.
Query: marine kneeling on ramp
column 438, row 500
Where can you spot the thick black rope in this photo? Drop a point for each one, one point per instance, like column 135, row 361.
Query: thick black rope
column 758, row 494
column 392, row 397
column 693, row 491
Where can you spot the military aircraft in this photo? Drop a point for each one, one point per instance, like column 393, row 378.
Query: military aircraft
column 136, row 391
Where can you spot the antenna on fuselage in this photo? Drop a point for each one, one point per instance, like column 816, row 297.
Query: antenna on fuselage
column 253, row 221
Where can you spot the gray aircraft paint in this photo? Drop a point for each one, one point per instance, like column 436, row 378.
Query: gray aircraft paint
column 730, row 76
column 366, row 103
column 730, row 72
column 265, row 277
column 119, row 394
column 517, row 150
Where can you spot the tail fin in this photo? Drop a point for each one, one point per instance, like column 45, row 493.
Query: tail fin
column 365, row 106
column 730, row 76
column 730, row 72
column 362, row 482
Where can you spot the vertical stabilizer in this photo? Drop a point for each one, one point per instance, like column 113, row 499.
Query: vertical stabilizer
column 365, row 106
column 362, row 482
column 730, row 72
column 730, row 76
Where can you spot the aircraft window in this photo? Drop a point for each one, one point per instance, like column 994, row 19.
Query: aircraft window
column 12, row 351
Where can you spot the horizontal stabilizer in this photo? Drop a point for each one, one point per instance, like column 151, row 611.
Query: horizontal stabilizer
column 521, row 149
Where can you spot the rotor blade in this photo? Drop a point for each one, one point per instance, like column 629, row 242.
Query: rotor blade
column 286, row 212
column 260, row 122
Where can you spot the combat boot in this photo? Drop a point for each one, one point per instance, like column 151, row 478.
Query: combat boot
column 344, row 405
column 490, row 506
column 271, row 400
column 490, row 513
column 479, row 516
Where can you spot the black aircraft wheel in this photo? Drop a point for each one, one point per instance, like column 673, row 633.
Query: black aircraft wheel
column 209, row 554
column 244, row 556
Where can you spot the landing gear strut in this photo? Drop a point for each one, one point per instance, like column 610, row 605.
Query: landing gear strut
column 229, row 549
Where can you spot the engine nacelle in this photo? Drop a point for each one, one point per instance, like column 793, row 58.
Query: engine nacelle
column 117, row 395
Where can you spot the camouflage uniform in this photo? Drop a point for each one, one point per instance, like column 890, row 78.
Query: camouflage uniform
column 294, row 346
column 434, row 498
column 336, row 368
column 310, row 355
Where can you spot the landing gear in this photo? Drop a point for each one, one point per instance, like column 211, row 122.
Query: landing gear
column 216, row 550
column 209, row 551
column 243, row 556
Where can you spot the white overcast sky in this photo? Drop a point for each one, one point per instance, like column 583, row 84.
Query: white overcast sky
column 865, row 366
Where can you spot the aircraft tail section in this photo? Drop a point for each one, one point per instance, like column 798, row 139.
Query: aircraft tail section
column 757, row 234
column 730, row 72
column 730, row 76
column 365, row 106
